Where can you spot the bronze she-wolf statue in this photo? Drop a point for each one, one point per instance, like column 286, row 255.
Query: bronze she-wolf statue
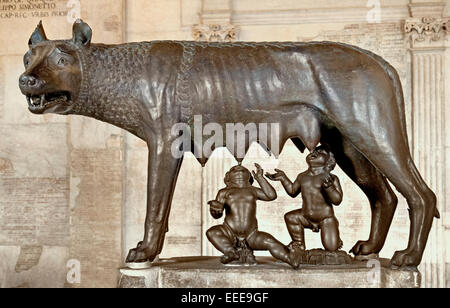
column 339, row 95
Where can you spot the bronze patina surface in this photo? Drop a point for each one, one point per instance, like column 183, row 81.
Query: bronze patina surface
column 341, row 96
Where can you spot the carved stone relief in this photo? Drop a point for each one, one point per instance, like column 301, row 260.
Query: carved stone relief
column 215, row 32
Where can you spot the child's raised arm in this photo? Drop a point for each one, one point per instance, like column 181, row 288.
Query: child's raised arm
column 266, row 192
column 292, row 189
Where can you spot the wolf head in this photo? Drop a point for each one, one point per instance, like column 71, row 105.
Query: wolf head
column 52, row 81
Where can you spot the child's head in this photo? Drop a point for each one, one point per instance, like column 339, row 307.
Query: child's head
column 238, row 174
column 319, row 157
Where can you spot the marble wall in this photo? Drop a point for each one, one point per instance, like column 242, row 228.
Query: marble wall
column 61, row 178
column 73, row 188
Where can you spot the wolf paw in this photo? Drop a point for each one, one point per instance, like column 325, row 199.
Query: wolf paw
column 406, row 258
column 364, row 248
column 140, row 254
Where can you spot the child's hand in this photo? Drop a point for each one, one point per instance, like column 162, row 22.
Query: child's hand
column 278, row 176
column 215, row 208
column 328, row 181
column 259, row 171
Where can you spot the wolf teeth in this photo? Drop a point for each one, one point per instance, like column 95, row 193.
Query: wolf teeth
column 38, row 100
column 43, row 100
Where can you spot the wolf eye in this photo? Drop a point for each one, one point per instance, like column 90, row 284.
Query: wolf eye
column 26, row 61
column 62, row 61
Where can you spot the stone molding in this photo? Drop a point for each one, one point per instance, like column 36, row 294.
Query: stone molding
column 316, row 15
column 215, row 32
column 421, row 9
column 257, row 16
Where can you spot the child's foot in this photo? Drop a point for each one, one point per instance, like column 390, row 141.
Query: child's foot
column 251, row 260
column 229, row 257
column 296, row 245
column 297, row 255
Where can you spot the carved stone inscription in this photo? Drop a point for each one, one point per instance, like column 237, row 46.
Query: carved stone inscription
column 22, row 9
column 2, row 90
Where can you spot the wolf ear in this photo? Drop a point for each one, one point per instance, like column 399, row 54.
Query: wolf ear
column 38, row 35
column 82, row 33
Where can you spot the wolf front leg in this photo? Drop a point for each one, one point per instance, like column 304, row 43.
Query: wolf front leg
column 163, row 169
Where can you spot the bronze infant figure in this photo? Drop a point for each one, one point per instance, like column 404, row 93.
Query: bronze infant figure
column 320, row 191
column 238, row 236
column 339, row 95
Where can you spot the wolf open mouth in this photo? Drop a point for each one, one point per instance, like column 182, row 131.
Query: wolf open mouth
column 40, row 103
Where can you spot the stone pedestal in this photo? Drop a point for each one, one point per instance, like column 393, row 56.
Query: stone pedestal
column 208, row 272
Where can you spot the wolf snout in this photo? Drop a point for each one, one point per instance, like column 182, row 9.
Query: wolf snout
column 29, row 84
